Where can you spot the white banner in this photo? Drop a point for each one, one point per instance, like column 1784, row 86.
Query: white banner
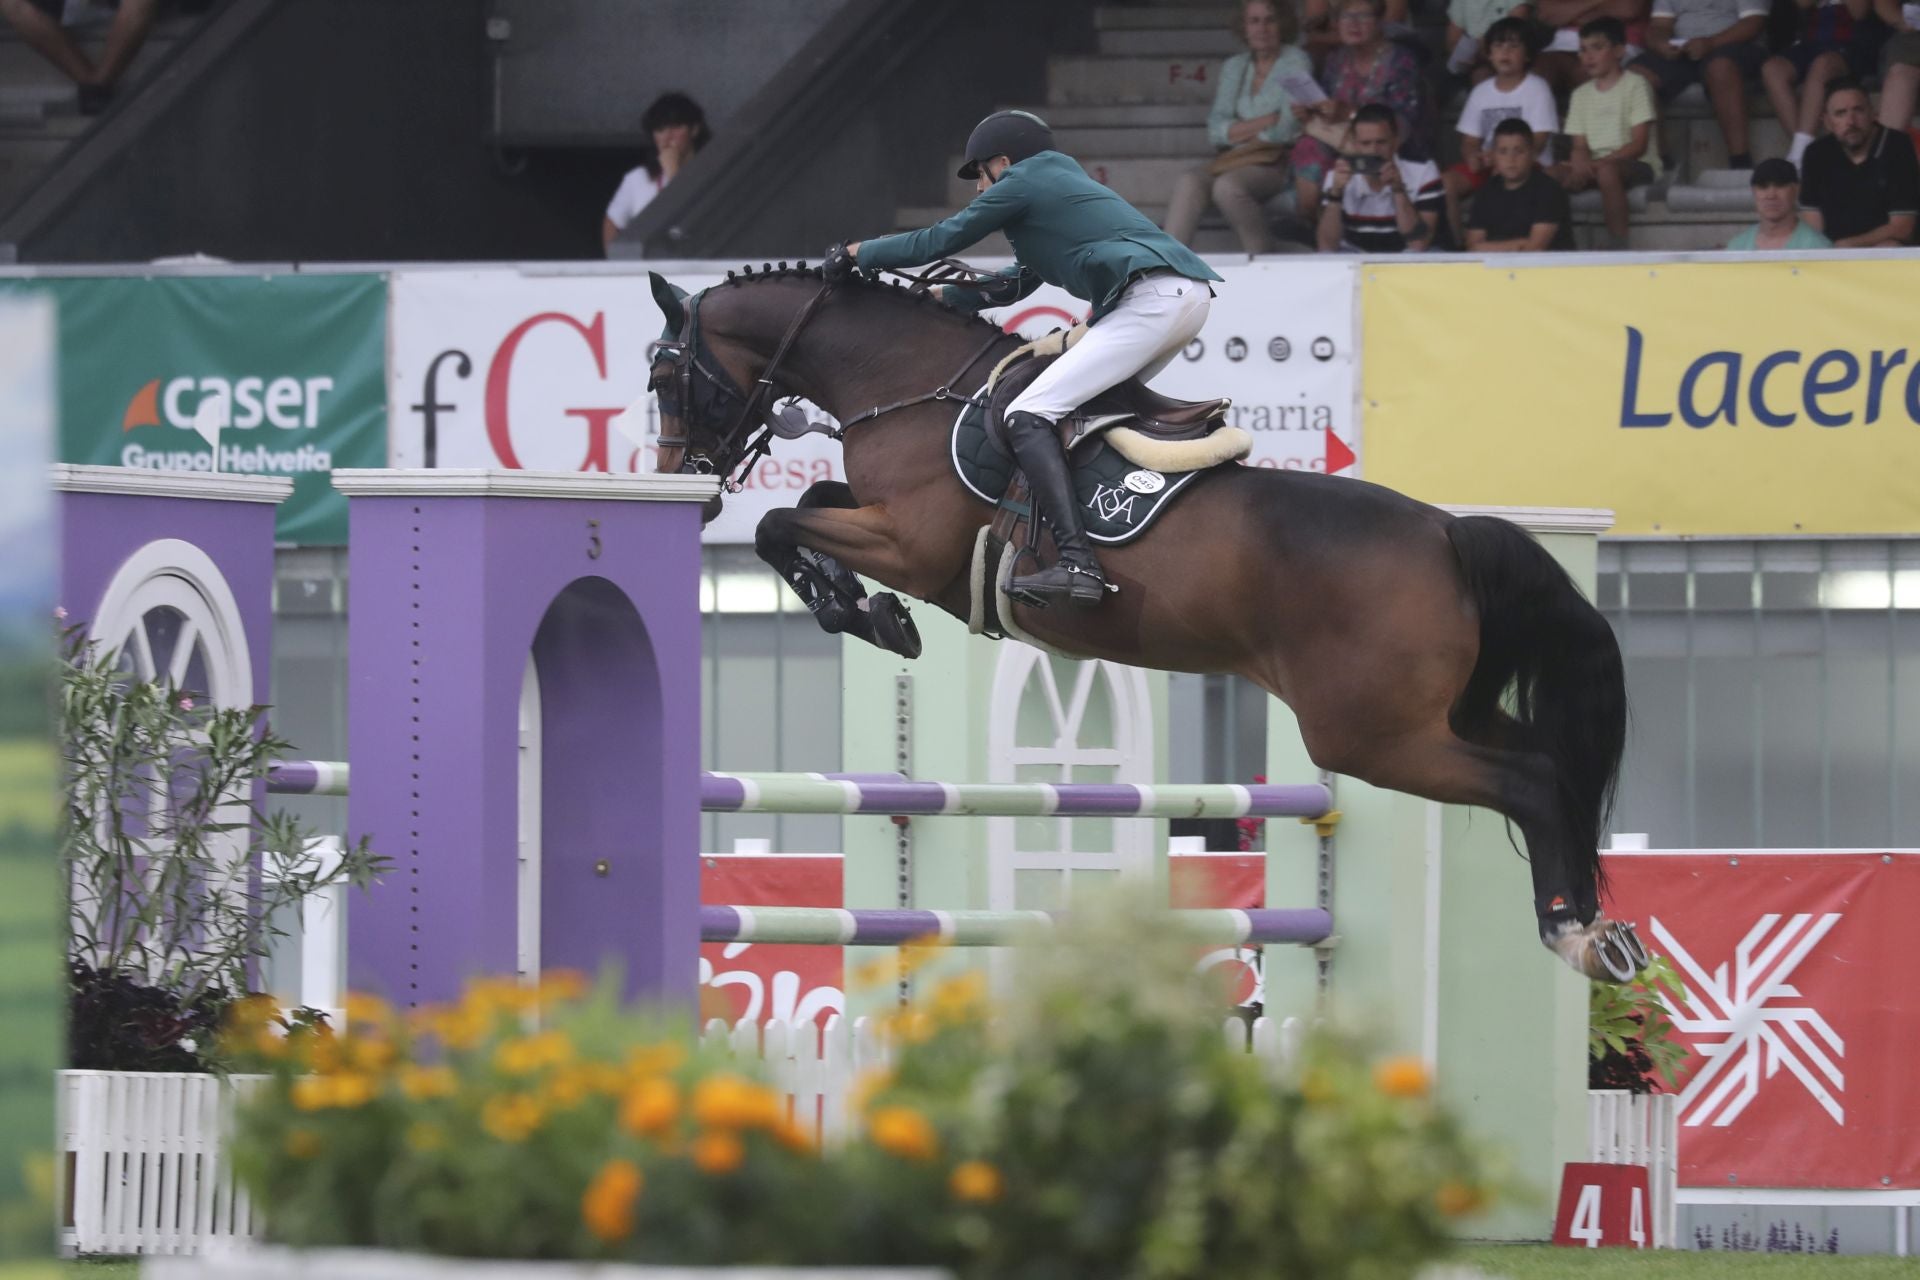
column 504, row 369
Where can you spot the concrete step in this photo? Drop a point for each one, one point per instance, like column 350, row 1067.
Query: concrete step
column 32, row 103
column 1136, row 178
column 22, row 67
column 1107, row 115
column 1180, row 42
column 1161, row 17
column 1100, row 79
column 1105, row 144
column 22, row 162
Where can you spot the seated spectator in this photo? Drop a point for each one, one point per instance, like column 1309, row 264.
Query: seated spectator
column 1367, row 67
column 1319, row 30
column 1380, row 200
column 1611, row 122
column 1776, row 198
column 1512, row 94
column 1860, row 185
column 1522, row 210
column 1899, row 63
column 1835, row 38
column 1715, row 41
column 1252, row 124
column 38, row 22
column 678, row 128
column 1559, row 63
column 1470, row 24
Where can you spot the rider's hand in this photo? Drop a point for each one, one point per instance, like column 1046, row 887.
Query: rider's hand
column 839, row 264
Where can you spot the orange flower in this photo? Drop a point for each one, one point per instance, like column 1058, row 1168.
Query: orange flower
column 650, row 1107
column 656, row 1059
column 733, row 1102
column 354, row 1089
column 253, row 1012
column 512, row 1117
column 975, row 1182
column 524, row 1055
column 795, row 1136
column 367, row 1009
column 302, row 1144
column 903, row 1132
column 317, row 1093
column 718, row 1152
column 311, row 1093
column 607, row 1206
column 1457, row 1199
column 370, row 1054
column 959, row 998
column 1402, row 1077
column 422, row 1083
column 558, row 986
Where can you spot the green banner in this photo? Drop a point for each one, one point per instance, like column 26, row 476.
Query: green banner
column 291, row 367
column 32, row 923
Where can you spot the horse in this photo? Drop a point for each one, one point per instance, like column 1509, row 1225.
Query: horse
column 1448, row 657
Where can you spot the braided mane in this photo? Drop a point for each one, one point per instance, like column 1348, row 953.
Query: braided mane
column 880, row 287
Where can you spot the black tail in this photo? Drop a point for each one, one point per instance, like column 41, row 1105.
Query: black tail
column 1540, row 638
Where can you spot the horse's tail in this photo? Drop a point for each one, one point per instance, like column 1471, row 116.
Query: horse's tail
column 1540, row 638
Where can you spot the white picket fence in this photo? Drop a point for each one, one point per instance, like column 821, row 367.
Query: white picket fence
column 1640, row 1128
column 146, row 1170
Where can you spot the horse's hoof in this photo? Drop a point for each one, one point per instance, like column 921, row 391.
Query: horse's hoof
column 1604, row 951
column 893, row 628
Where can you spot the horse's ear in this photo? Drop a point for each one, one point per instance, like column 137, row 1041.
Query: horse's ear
column 671, row 300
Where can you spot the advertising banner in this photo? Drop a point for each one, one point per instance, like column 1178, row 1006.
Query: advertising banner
column 501, row 369
column 290, row 367
column 763, row 981
column 1743, row 398
column 1799, row 1010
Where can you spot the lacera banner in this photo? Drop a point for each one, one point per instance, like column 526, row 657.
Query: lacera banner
column 499, row 369
column 289, row 366
column 1800, row 1010
column 1691, row 398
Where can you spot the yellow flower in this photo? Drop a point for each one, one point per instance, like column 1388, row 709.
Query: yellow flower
column 302, row 1144
column 368, row 1010
column 512, row 1117
column 903, row 1132
column 311, row 1093
column 718, row 1152
column 733, row 1102
column 354, row 1089
column 650, row 1107
column 795, row 1136
column 558, row 986
column 369, row 1054
column 269, row 1043
column 1457, row 1199
column 655, row 1059
column 874, row 974
column 489, row 997
column 424, row 1137
column 421, row 1083
column 568, row 1087
column 607, row 1206
column 959, row 998
column 975, row 1182
column 1402, row 1077
column 604, row 1077
column 912, row 1026
column 321, row 1048
column 918, row 953
column 250, row 1013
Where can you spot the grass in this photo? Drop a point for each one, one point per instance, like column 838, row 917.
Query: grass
column 1544, row 1262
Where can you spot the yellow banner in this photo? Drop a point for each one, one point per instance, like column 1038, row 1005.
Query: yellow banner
column 1691, row 398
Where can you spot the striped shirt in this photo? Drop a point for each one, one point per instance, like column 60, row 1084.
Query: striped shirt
column 1368, row 223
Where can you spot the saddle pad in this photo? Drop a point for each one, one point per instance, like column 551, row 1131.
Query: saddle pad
column 1118, row 500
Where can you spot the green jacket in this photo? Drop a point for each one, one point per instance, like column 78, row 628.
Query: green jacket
column 1065, row 229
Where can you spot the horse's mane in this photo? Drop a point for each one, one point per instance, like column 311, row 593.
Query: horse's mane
column 872, row 285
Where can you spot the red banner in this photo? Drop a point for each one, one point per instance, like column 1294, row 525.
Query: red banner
column 1800, row 1010
column 764, row 982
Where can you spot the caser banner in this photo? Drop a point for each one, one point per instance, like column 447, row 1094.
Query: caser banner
column 496, row 368
column 290, row 366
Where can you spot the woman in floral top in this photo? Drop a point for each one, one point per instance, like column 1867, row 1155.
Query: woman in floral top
column 1367, row 67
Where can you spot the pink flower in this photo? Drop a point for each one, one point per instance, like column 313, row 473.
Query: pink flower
column 60, row 611
column 186, row 704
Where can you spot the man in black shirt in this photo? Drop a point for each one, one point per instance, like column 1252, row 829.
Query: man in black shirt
column 1859, row 185
column 1522, row 210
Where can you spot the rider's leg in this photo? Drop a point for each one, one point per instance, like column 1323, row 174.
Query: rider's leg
column 1156, row 318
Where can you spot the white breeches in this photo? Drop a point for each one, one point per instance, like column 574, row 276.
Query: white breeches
column 1156, row 318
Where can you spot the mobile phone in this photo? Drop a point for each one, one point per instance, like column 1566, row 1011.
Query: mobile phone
column 1368, row 165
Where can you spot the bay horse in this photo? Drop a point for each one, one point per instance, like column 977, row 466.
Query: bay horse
column 1449, row 657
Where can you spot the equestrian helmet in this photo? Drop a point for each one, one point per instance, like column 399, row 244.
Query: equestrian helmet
column 1013, row 134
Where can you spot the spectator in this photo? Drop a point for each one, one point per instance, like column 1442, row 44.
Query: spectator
column 1611, row 122
column 678, row 128
column 1776, row 198
column 1522, row 210
column 38, row 22
column 1252, row 124
column 1899, row 64
column 1715, row 41
column 1381, row 200
column 1860, row 185
column 1836, row 38
column 1366, row 68
column 1470, row 23
column 1320, row 34
column 1560, row 63
column 1512, row 94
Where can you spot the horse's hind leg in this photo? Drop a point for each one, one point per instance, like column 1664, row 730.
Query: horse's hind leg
column 831, row 591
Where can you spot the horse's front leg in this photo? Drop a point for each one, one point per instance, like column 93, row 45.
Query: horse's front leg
column 825, row 584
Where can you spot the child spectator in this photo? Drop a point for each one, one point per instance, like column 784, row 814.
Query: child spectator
column 678, row 128
column 1611, row 122
column 1512, row 94
column 1367, row 67
column 1836, row 38
column 1522, row 210
column 1715, row 41
column 1379, row 199
column 1776, row 198
column 1860, row 184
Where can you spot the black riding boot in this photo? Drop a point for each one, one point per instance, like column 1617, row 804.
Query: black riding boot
column 1075, row 575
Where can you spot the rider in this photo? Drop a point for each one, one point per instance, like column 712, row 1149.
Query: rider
column 1148, row 293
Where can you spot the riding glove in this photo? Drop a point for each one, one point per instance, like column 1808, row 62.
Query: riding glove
column 838, row 265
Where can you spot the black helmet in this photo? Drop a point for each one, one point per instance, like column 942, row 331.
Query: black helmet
column 1013, row 134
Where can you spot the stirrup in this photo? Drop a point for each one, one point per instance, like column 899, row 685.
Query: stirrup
column 1083, row 587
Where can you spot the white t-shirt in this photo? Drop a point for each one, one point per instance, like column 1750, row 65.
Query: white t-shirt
column 1531, row 101
column 636, row 192
column 1369, row 221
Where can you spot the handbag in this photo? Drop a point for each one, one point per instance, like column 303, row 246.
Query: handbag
column 1270, row 153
